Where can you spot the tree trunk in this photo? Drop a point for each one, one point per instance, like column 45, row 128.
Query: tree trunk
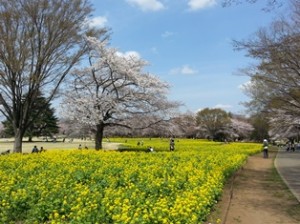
column 99, row 136
column 18, row 141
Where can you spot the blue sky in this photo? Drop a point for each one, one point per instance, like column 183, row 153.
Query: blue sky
column 188, row 43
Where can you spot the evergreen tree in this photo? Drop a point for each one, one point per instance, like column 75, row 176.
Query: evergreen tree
column 261, row 127
column 44, row 120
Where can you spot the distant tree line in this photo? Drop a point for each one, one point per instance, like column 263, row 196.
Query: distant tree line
column 209, row 123
column 214, row 124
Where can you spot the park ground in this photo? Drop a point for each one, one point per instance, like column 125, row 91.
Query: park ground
column 7, row 144
column 257, row 195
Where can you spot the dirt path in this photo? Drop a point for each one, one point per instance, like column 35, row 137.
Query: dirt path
column 257, row 195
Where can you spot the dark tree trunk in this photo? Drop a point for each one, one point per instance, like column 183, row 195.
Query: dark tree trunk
column 18, row 141
column 99, row 136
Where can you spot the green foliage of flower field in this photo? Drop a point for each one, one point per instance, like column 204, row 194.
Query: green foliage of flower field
column 87, row 186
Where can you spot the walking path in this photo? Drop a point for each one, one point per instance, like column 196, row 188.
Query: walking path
column 288, row 166
column 257, row 195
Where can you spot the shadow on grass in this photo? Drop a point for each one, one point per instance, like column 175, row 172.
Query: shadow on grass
column 123, row 148
column 129, row 149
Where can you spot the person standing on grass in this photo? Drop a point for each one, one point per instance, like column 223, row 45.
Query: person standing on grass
column 172, row 144
column 265, row 148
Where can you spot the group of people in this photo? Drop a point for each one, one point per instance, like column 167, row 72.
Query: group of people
column 5, row 152
column 80, row 147
column 36, row 150
column 172, row 146
column 291, row 146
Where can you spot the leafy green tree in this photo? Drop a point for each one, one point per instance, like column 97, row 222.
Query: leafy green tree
column 44, row 121
column 261, row 127
column 214, row 122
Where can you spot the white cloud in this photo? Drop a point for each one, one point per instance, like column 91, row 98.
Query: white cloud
column 201, row 4
column 226, row 107
column 223, row 106
column 99, row 21
column 184, row 70
column 147, row 5
column 167, row 34
column 129, row 54
column 198, row 110
column 245, row 86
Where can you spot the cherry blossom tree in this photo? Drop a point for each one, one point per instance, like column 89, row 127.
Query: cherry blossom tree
column 240, row 128
column 185, row 125
column 274, row 87
column 115, row 91
column 283, row 125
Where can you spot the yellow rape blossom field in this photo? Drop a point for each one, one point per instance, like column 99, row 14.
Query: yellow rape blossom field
column 88, row 186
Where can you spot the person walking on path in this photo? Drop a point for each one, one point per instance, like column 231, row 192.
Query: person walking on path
column 265, row 148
